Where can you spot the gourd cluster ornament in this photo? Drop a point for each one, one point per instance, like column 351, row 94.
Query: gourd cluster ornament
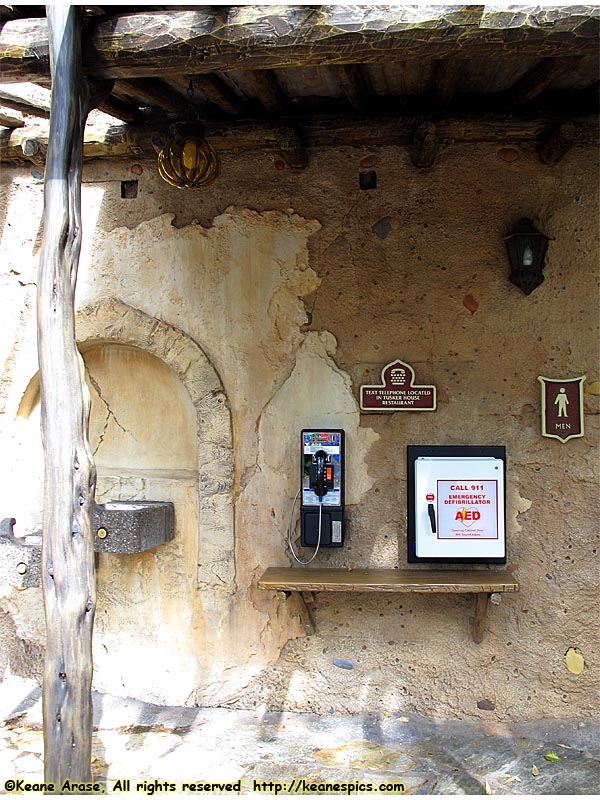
column 188, row 161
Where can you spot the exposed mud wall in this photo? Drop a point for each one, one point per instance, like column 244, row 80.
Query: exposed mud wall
column 292, row 290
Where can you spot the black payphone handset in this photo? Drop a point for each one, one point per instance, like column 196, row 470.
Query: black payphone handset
column 321, row 470
column 322, row 487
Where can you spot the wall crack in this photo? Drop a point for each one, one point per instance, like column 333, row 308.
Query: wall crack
column 110, row 414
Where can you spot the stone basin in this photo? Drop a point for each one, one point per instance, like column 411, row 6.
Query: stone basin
column 126, row 526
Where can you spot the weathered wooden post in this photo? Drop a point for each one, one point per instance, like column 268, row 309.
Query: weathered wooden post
column 68, row 577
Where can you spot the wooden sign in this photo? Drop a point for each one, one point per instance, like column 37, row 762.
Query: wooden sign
column 562, row 408
column 397, row 391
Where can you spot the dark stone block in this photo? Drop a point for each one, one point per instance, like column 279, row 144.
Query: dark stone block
column 20, row 558
column 132, row 526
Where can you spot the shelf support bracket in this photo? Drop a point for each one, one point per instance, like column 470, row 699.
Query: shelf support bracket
column 481, row 604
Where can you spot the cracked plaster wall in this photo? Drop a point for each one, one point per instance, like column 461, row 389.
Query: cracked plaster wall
column 295, row 314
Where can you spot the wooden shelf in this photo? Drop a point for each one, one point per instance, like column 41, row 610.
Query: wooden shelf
column 301, row 582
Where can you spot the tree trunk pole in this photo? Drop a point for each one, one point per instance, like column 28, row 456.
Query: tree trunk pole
column 68, row 576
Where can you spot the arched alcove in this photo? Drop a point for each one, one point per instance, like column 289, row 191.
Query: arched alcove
column 160, row 429
column 110, row 320
column 141, row 418
column 143, row 436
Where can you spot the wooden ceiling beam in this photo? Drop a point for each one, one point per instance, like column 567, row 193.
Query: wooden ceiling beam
column 8, row 120
column 217, row 92
column 265, row 87
column 101, row 97
column 354, row 85
column 152, row 92
column 220, row 38
column 18, row 12
column 542, row 76
column 557, row 144
column 424, row 145
column 127, row 112
column 289, row 145
column 446, row 77
column 11, row 100
column 323, row 131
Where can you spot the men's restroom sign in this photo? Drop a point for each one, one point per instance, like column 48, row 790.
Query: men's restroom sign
column 562, row 408
column 397, row 391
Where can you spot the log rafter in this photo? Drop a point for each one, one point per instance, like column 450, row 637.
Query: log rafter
column 317, row 131
column 151, row 92
column 424, row 145
column 447, row 75
column 354, row 82
column 11, row 100
column 266, row 89
column 209, row 39
column 8, row 120
column 127, row 112
column 542, row 76
column 215, row 91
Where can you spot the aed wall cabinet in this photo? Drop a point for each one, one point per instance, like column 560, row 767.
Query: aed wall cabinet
column 456, row 504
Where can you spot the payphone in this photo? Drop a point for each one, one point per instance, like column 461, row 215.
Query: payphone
column 322, row 488
column 456, row 504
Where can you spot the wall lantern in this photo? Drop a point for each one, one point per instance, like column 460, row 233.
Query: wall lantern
column 187, row 160
column 526, row 248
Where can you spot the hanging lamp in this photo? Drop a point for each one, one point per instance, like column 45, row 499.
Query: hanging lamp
column 188, row 161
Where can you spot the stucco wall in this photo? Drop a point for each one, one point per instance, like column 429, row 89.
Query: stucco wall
column 296, row 289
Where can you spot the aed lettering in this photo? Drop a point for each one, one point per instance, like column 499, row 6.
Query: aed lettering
column 466, row 514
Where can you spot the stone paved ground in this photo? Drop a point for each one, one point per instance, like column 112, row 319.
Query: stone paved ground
column 148, row 744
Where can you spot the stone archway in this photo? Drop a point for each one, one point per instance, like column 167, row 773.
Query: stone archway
column 111, row 320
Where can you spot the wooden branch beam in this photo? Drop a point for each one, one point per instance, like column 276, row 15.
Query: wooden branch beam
column 11, row 100
column 555, row 146
column 290, row 147
column 542, row 76
column 206, row 39
column 323, row 131
column 218, row 93
column 101, row 98
column 126, row 112
column 68, row 576
column 16, row 12
column 354, row 84
column 152, row 92
column 424, row 145
column 265, row 87
column 8, row 120
column 34, row 152
column 447, row 74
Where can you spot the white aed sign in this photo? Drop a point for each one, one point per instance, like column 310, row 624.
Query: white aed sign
column 456, row 504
